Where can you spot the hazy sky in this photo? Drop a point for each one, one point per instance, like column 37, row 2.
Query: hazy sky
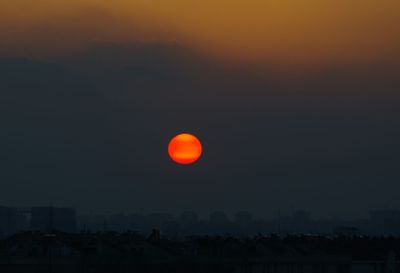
column 291, row 31
column 295, row 101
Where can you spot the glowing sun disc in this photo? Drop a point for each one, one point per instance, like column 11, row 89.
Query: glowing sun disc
column 184, row 148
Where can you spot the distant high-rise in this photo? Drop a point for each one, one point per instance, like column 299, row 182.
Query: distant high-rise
column 48, row 219
column 189, row 218
column 243, row 218
column 218, row 218
column 12, row 221
column 385, row 221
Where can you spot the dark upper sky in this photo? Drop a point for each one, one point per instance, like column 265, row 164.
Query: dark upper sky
column 87, row 125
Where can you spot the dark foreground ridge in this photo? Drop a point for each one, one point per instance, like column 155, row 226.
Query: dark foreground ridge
column 133, row 252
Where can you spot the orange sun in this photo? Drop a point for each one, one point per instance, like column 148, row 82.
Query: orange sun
column 184, row 148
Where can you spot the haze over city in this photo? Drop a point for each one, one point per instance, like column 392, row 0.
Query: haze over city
column 295, row 102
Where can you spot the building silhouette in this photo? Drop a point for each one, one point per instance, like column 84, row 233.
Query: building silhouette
column 12, row 220
column 49, row 219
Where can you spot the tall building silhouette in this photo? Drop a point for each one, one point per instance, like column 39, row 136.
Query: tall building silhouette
column 49, row 219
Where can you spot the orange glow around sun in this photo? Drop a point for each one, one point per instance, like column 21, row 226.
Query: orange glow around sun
column 184, row 148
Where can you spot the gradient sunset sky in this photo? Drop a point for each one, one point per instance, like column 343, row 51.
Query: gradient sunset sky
column 283, row 31
column 296, row 103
